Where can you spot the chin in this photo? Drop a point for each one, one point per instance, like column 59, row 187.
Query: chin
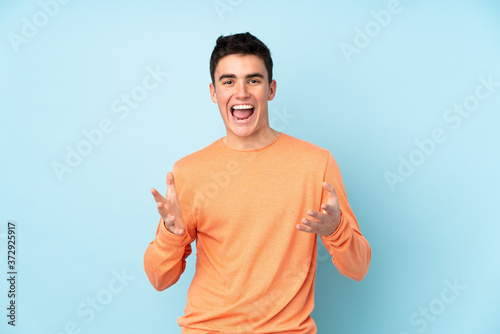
column 243, row 133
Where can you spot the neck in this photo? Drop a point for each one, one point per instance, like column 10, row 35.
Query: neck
column 257, row 140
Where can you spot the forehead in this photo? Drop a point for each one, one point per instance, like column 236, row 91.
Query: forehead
column 240, row 65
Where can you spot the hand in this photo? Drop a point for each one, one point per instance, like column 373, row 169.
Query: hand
column 169, row 207
column 328, row 220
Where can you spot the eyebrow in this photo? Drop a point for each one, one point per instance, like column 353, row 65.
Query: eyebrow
column 248, row 76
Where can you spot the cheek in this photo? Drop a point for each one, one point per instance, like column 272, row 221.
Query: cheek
column 222, row 100
column 223, row 113
column 225, row 116
column 263, row 97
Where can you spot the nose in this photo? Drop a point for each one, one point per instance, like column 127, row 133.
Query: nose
column 242, row 91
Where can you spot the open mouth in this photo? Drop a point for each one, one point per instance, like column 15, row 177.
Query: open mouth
column 242, row 112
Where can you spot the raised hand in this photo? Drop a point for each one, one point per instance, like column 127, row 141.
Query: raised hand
column 328, row 220
column 169, row 207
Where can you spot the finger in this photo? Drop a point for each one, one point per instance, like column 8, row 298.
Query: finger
column 174, row 205
column 310, row 226
column 318, row 215
column 307, row 229
column 158, row 197
column 171, row 191
column 162, row 209
column 172, row 226
column 304, row 228
column 329, row 209
column 170, row 222
column 332, row 194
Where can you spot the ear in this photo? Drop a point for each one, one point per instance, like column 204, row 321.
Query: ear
column 272, row 90
column 213, row 94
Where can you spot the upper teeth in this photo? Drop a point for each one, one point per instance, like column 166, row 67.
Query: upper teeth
column 243, row 106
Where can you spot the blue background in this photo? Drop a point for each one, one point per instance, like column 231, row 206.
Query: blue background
column 78, row 231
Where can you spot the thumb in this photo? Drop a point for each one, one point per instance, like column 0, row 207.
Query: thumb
column 171, row 184
column 332, row 194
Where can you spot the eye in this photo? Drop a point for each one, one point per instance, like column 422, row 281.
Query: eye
column 228, row 82
column 254, row 81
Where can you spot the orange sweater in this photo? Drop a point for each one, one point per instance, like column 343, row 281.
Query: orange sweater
column 254, row 270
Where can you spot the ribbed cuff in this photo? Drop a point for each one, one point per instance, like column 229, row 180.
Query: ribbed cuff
column 335, row 236
column 165, row 238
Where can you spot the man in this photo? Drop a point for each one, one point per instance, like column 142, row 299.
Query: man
column 255, row 201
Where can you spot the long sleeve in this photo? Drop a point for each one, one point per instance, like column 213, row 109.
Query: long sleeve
column 350, row 251
column 165, row 257
column 242, row 207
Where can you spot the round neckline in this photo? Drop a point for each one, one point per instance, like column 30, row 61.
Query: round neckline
column 254, row 150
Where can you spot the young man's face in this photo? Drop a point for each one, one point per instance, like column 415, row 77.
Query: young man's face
column 241, row 90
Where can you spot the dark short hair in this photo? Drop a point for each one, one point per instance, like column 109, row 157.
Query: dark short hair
column 244, row 44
